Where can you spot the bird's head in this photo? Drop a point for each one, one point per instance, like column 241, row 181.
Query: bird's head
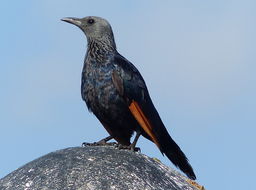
column 93, row 27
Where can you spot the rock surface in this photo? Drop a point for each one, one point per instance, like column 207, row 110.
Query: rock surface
column 94, row 168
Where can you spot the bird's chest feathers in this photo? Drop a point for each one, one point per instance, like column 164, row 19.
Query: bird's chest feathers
column 98, row 90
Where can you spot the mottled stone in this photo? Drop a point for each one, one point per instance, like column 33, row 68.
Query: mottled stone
column 94, row 168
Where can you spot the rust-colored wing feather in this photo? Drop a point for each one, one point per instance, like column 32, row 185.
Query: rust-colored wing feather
column 143, row 121
column 131, row 86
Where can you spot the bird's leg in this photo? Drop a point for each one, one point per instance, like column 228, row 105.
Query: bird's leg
column 132, row 146
column 102, row 142
column 105, row 140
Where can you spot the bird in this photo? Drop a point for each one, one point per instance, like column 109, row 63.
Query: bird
column 116, row 93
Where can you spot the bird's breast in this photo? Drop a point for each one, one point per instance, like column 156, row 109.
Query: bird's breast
column 97, row 88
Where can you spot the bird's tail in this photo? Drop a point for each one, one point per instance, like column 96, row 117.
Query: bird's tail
column 176, row 156
column 154, row 129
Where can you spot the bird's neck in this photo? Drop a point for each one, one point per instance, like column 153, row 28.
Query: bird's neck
column 102, row 45
column 100, row 49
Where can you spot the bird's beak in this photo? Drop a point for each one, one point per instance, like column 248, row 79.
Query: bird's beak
column 71, row 20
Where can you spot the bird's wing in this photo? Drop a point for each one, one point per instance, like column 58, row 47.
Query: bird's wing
column 131, row 86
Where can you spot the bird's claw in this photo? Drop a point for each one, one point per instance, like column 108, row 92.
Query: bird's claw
column 100, row 143
column 129, row 147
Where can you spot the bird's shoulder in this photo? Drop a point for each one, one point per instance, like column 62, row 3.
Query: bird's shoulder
column 127, row 79
column 127, row 71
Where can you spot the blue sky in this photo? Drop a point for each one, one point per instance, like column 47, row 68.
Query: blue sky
column 197, row 58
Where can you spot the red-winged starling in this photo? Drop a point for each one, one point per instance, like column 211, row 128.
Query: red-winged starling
column 116, row 93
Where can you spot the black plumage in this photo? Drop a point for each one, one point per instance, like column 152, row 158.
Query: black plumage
column 116, row 93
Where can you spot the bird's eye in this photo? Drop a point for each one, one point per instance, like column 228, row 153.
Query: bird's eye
column 90, row 21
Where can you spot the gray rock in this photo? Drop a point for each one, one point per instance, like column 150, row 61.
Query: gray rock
column 94, row 168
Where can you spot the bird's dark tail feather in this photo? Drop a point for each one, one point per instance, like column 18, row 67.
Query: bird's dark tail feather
column 164, row 141
column 176, row 156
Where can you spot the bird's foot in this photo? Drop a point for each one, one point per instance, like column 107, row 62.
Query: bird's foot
column 128, row 147
column 99, row 143
column 102, row 142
